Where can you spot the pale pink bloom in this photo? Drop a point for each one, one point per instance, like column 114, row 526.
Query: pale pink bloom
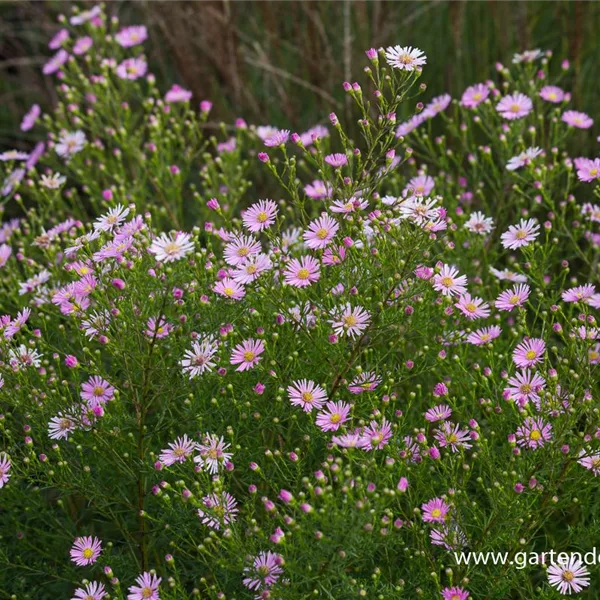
column 60, row 427
column 527, row 56
column 112, row 219
column 534, row 433
column 437, row 105
column 58, row 40
column 178, row 451
column 347, row 207
column 265, row 571
column 334, row 416
column 56, row 62
column 131, row 36
column 212, row 453
column 507, row 275
column 410, row 125
column 307, row 394
column 435, row 511
column 92, row 591
column 473, row 307
column 581, row 293
column 336, row 160
column 278, row 138
column 525, row 386
column 252, row 268
column 474, row 95
column 146, row 588
column 590, row 461
column 441, row 412
column 82, row 45
column 479, row 223
column 484, row 336
column 303, row 272
column 30, row 117
column 318, row 190
column 523, row 159
column 452, row 436
column 529, row 352
column 449, row 282
column 376, row 436
column 169, row 248
column 514, row 106
column 200, row 358
column 349, row 320
column 240, row 249
column 247, row 354
column 577, row 119
column 97, row 390
column 158, row 328
column 588, row 170
column 70, row 144
column 86, row 550
column 317, row 132
column 13, row 155
column 86, row 15
column 454, row 593
column 132, row 68
column 5, row 252
column 321, row 232
column 177, row 94
column 219, row 510
column 520, row 235
column 230, row 289
column 421, row 185
column 365, row 382
column 568, row 576
column 405, row 58
column 552, row 93
column 513, row 298
column 5, row 466
column 260, row 215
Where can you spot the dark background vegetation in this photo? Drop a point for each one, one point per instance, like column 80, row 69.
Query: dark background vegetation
column 282, row 63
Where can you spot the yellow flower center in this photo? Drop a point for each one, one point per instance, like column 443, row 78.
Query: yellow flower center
column 514, row 300
column 262, row 217
column 171, row 248
column 322, row 233
column 88, row 553
column 98, row 391
column 307, row 397
column 568, row 576
column 350, row 320
column 515, row 108
column 436, row 512
column 147, row 592
column 471, row 307
column 303, row 274
column 446, row 281
column 249, row 355
column 535, row 435
column 229, row 291
column 530, row 355
column 336, row 418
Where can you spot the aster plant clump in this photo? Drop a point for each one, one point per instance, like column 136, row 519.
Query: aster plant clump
column 325, row 393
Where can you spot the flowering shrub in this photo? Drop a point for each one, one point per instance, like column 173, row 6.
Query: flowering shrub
column 324, row 394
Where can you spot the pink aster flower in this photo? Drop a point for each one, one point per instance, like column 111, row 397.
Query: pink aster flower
column 581, row 293
column 520, row 235
column 514, row 106
column 58, row 39
column 479, row 223
column 588, row 170
column 437, row 105
column 525, row 158
column 86, row 550
column 30, row 118
column 441, row 412
column 92, row 591
column 146, row 588
column 336, row 160
column 454, row 593
column 507, row 275
column 157, row 328
column 169, row 248
column 82, row 45
column 200, row 358
column 219, row 510
column 5, row 466
column 132, row 68
column 252, row 268
column 303, row 272
column 452, row 436
column 421, row 185
column 278, row 138
column 177, row 94
column 405, row 58
column 552, row 93
column 376, row 436
column 410, row 125
column 529, row 352
column 264, row 572
column 61, row 427
column 525, row 386
column 131, row 36
column 590, row 461
column 70, row 144
column 449, row 282
column 247, row 354
column 365, row 382
column 56, row 62
column 230, row 289
column 240, row 249
column 86, row 16
column 335, row 415
column 350, row 321
column 113, row 218
column 435, row 511
column 534, row 433
column 474, row 95
column 5, row 253
column 212, row 453
column 178, row 451
column 450, row 536
column 17, row 323
column 260, row 215
column 473, row 308
column 513, row 298
column 307, row 394
column 318, row 190
column 569, row 575
column 321, row 232
column 97, row 391
column 577, row 119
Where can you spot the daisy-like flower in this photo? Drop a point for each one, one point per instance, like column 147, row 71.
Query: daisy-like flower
column 422, row 185
column 438, row 105
column 252, row 268
column 240, row 249
column 230, row 289
column 587, row 169
column 376, row 436
column 365, row 382
column 12, row 180
column 350, row 321
column 318, row 190
column 336, row 160
column 449, row 282
column 441, row 412
column 52, row 181
column 260, row 215
column 552, row 93
column 86, row 15
column 303, row 272
column 405, row 58
column 56, row 62
column 307, row 394
column 590, row 461
column 212, row 453
column 70, row 144
column 113, row 218
column 534, row 433
column 529, row 352
column 450, row 536
column 146, row 588
column 247, row 354
column 97, row 391
column 200, row 358
column 348, row 440
column 479, row 223
column 473, row 308
column 520, row 235
column 321, row 232
column 577, row 119
column 474, row 95
column 513, row 298
column 454, row 593
column 265, row 571
column 514, row 106
column 568, row 576
column 435, row 511
column 30, row 118
column 581, row 293
column 86, row 550
column 410, row 125
column 525, row 386
column 278, row 138
column 13, row 155
column 169, row 248
column 508, row 275
column 132, row 68
column 5, row 253
column 58, row 39
column 317, row 132
column 82, row 45
column 523, row 159
column 419, row 210
column 219, row 510
column 131, row 36
column 157, row 328
column 178, row 451
column 452, row 436
column 594, row 355
column 334, row 416
column 177, row 94
column 527, row 56
column 17, row 323
column 23, row 357
column 5, row 466
column 92, row 591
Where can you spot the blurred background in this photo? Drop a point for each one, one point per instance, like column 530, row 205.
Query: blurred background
column 282, row 63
